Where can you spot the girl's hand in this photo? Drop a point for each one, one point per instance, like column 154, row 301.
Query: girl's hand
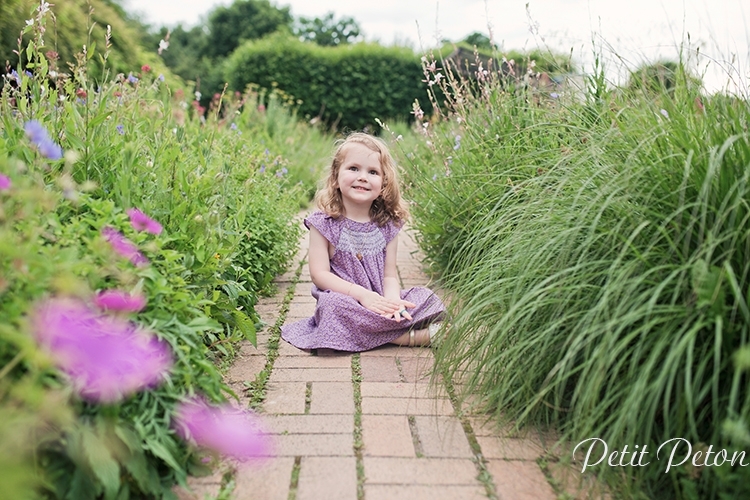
column 379, row 304
column 402, row 313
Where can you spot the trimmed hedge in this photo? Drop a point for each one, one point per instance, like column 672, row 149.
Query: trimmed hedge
column 348, row 86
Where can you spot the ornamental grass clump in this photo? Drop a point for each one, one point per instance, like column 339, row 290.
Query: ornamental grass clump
column 601, row 269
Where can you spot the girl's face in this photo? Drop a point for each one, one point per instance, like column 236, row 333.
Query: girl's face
column 360, row 176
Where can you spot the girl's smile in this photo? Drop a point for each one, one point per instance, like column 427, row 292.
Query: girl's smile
column 360, row 177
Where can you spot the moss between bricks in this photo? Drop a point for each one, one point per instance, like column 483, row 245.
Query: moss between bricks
column 256, row 389
column 358, row 442
column 483, row 474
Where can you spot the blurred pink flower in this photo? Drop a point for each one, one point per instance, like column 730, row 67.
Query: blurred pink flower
column 226, row 429
column 124, row 246
column 106, row 358
column 142, row 222
column 5, row 183
column 116, row 300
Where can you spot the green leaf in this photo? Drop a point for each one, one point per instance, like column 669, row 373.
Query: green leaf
column 707, row 285
column 161, row 451
column 105, row 467
column 246, row 326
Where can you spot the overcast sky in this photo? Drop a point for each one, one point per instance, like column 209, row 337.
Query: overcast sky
column 629, row 33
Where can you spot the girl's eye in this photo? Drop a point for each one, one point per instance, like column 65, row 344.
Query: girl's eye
column 374, row 172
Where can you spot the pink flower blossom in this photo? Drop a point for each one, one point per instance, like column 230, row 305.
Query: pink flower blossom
column 116, row 300
column 142, row 222
column 225, row 429
column 106, row 358
column 123, row 246
column 5, row 183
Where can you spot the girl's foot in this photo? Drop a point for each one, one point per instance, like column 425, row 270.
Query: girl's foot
column 420, row 338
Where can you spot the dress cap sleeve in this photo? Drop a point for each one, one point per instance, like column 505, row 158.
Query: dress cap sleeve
column 325, row 224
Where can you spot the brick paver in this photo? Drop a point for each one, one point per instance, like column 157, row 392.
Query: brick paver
column 414, row 446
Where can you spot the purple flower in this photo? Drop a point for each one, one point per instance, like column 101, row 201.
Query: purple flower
column 120, row 129
column 554, row 95
column 262, row 168
column 105, row 357
column 233, row 126
column 142, row 222
column 228, row 430
column 123, row 246
column 14, row 74
column 39, row 136
column 50, row 150
column 132, row 79
column 116, row 300
column 35, row 131
column 5, row 183
column 457, row 142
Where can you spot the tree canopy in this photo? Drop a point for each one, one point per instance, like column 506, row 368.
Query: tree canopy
column 243, row 20
column 327, row 31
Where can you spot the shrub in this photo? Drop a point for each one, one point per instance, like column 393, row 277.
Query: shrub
column 75, row 158
column 346, row 86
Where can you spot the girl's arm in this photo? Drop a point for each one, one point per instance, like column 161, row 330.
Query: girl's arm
column 391, row 286
column 320, row 273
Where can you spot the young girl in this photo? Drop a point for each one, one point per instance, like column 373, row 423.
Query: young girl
column 352, row 258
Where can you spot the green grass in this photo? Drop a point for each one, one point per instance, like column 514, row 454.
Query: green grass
column 599, row 255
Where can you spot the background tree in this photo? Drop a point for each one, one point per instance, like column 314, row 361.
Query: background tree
column 243, row 20
column 328, row 31
column 479, row 40
column 78, row 23
column 662, row 77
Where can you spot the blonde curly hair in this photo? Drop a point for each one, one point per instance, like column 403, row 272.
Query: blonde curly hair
column 389, row 206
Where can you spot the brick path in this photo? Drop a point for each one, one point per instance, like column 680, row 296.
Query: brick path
column 413, row 446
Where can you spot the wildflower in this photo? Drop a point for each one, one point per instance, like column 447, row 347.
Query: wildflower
column 41, row 139
column 163, row 45
column 664, row 113
column 120, row 129
column 261, row 108
column 116, row 300
column 123, row 246
column 132, row 79
column 198, row 95
column 81, row 93
column 233, row 126
column 145, row 68
column 457, row 143
column 14, row 75
column 161, row 77
column 226, row 429
column 5, row 183
column 142, row 222
column 105, row 357
column 554, row 95
column 262, row 168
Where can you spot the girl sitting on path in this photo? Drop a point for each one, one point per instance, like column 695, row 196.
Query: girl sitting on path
column 352, row 259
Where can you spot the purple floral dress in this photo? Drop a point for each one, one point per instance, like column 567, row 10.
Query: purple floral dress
column 342, row 323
